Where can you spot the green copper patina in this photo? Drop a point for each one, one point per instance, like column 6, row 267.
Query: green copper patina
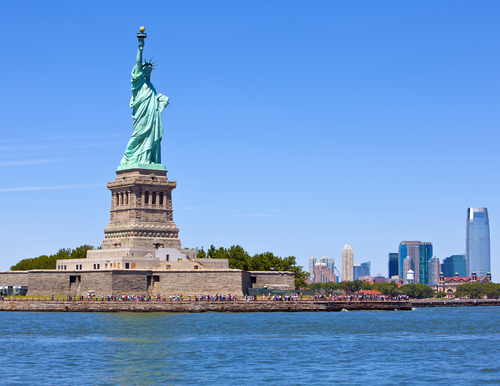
column 144, row 150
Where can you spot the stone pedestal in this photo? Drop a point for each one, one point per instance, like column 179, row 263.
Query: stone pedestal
column 141, row 211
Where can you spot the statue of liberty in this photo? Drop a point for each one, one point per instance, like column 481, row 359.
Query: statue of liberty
column 143, row 149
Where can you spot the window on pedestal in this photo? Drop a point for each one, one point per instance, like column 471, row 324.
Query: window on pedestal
column 153, row 198
column 161, row 198
column 146, row 198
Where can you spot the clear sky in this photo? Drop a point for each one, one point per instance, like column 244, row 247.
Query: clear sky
column 293, row 127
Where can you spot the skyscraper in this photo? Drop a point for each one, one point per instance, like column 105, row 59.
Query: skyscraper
column 347, row 263
column 477, row 246
column 322, row 274
column 393, row 265
column 408, row 266
column 433, row 271
column 362, row 269
column 420, row 253
column 312, row 262
column 330, row 263
column 454, row 264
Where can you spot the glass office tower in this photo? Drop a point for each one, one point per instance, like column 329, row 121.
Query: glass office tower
column 393, row 265
column 362, row 269
column 433, row 271
column 454, row 264
column 420, row 253
column 477, row 248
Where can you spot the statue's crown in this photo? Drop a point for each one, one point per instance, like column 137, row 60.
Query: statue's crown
column 149, row 63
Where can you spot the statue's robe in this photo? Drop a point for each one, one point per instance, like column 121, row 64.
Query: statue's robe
column 144, row 146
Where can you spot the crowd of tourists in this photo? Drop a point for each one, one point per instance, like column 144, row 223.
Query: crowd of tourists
column 294, row 297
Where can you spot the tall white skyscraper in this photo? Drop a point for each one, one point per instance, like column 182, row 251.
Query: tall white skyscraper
column 347, row 263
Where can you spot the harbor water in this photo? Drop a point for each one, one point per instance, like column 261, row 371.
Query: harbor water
column 459, row 346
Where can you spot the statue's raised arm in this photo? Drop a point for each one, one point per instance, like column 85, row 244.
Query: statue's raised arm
column 138, row 60
column 144, row 150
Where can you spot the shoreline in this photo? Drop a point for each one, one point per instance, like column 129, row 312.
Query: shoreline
column 456, row 303
column 202, row 306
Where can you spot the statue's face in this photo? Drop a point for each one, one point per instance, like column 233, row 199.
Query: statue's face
column 147, row 71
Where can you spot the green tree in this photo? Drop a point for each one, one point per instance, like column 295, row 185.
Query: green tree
column 356, row 285
column 80, row 252
column 417, row 291
column 200, row 253
column 491, row 290
column 238, row 258
column 440, row 294
column 49, row 262
column 470, row 290
column 387, row 288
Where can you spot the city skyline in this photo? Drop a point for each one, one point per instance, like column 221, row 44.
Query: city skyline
column 352, row 98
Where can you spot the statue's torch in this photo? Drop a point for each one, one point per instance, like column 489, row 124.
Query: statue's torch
column 142, row 35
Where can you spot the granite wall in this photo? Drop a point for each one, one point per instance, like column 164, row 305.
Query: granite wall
column 14, row 278
column 266, row 279
column 154, row 282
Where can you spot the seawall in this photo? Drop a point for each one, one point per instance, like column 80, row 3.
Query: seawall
column 201, row 306
column 456, row 303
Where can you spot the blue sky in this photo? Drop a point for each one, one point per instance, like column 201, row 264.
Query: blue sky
column 293, row 127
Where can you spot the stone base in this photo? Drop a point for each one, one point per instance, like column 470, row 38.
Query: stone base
column 141, row 213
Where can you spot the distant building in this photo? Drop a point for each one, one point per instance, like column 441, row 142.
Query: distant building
column 433, row 271
column 362, row 269
column 374, row 279
column 454, row 264
column 408, row 266
column 394, row 279
column 478, row 241
column 347, row 263
column 329, row 261
column 380, row 279
column 393, row 264
column 420, row 253
column 449, row 284
column 322, row 274
column 312, row 262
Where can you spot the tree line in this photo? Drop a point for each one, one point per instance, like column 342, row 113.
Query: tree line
column 49, row 262
column 238, row 258
column 478, row 290
column 414, row 291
